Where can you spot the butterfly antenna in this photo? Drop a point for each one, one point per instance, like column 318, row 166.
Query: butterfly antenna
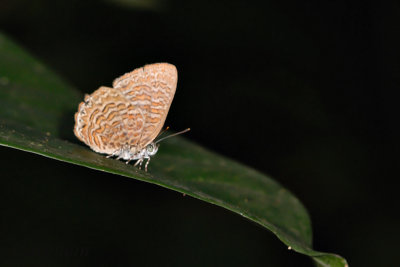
column 162, row 132
column 171, row 135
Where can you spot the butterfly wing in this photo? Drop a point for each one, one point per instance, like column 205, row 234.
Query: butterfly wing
column 106, row 121
column 150, row 90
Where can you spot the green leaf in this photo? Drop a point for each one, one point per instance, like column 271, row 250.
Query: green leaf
column 36, row 115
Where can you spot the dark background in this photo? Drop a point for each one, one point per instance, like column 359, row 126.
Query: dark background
column 300, row 90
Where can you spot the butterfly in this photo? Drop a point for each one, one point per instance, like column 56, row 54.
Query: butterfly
column 124, row 120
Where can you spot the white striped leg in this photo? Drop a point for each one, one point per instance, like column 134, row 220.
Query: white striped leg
column 114, row 153
column 139, row 161
column 147, row 163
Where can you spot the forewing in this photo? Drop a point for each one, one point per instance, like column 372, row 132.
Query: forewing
column 151, row 90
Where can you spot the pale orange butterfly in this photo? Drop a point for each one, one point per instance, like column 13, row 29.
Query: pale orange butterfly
column 123, row 121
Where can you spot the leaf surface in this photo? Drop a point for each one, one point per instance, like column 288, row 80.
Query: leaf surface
column 36, row 115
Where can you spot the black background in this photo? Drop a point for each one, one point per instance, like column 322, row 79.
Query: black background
column 300, row 90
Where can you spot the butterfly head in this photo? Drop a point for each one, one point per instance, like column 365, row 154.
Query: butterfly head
column 151, row 149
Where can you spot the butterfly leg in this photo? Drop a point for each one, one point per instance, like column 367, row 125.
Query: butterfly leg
column 140, row 165
column 147, row 164
column 138, row 162
column 114, row 153
column 120, row 154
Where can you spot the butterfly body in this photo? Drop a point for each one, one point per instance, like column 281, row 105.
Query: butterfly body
column 126, row 152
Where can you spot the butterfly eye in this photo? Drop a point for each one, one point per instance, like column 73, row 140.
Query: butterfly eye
column 150, row 148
